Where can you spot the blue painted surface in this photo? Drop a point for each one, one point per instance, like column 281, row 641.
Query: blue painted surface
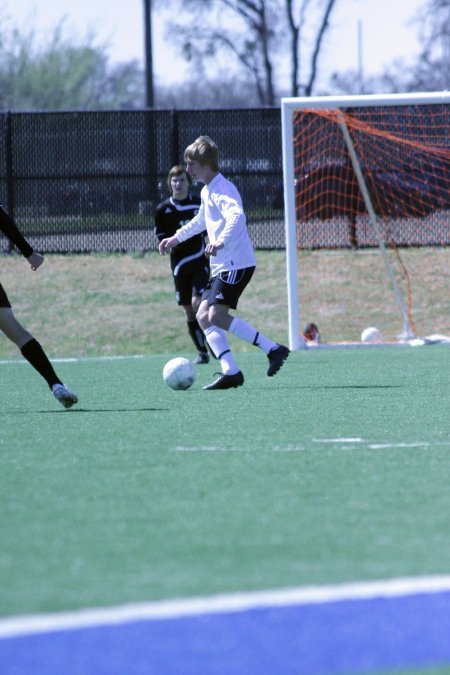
column 336, row 637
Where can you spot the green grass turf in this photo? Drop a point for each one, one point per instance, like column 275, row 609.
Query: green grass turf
column 336, row 470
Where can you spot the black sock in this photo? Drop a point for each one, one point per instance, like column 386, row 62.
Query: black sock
column 36, row 356
column 197, row 336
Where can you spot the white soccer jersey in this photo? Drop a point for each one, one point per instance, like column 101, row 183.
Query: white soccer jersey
column 222, row 215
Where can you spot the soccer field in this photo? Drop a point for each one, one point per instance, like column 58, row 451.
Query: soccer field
column 335, row 472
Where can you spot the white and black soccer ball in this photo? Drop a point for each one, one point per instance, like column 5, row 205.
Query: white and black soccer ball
column 179, row 373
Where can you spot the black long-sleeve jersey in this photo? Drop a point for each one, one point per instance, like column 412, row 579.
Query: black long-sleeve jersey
column 171, row 214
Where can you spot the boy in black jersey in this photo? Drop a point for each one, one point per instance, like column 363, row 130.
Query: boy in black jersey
column 30, row 348
column 190, row 267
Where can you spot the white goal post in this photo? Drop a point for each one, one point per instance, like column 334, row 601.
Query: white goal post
column 289, row 106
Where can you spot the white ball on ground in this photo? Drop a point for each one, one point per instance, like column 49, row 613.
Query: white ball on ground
column 371, row 335
column 179, row 373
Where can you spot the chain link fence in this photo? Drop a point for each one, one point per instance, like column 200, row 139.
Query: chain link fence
column 78, row 182
column 90, row 181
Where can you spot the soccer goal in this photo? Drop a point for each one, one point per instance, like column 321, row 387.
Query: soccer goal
column 364, row 177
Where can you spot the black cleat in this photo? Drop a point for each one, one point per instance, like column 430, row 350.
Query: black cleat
column 277, row 356
column 227, row 381
column 202, row 357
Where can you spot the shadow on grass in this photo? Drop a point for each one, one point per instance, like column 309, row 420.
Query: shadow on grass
column 83, row 410
column 359, row 386
column 313, row 387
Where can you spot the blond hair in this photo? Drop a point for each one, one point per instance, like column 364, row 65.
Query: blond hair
column 204, row 151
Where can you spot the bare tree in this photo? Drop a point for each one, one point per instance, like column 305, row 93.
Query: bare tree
column 252, row 33
column 226, row 92
column 429, row 71
column 318, row 43
column 434, row 22
column 296, row 29
column 242, row 29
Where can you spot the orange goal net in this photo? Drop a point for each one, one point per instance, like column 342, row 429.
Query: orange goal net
column 366, row 173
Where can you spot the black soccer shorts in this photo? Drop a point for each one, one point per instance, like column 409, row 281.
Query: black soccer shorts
column 190, row 281
column 227, row 287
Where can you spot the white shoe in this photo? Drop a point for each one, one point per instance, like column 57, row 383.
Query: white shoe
column 64, row 395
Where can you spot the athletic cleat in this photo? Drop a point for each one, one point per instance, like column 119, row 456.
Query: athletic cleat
column 202, row 357
column 277, row 356
column 64, row 395
column 227, row 381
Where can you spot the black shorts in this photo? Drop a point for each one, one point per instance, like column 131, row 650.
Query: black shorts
column 190, row 281
column 227, row 287
column 4, row 302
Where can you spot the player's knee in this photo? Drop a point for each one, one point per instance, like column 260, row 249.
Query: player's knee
column 217, row 315
column 202, row 317
column 13, row 330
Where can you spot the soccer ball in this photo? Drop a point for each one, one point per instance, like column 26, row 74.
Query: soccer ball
column 371, row 334
column 179, row 373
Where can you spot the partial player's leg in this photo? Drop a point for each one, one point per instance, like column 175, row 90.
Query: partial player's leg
column 199, row 282
column 217, row 339
column 228, row 288
column 196, row 334
column 190, row 302
column 35, row 355
column 276, row 353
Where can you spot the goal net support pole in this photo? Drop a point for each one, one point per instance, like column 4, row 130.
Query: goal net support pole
column 295, row 341
column 407, row 332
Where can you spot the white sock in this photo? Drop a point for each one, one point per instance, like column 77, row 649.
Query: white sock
column 218, row 341
column 245, row 331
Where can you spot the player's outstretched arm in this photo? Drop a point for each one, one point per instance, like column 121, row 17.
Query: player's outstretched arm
column 35, row 260
column 166, row 244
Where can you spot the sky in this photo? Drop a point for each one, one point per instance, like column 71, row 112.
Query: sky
column 384, row 26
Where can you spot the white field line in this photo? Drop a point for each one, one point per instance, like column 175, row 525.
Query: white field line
column 5, row 362
column 221, row 604
column 350, row 439
column 379, row 445
column 324, row 345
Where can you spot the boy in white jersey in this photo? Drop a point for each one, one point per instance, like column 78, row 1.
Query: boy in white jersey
column 232, row 263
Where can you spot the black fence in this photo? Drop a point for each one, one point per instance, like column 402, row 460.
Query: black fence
column 90, row 181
